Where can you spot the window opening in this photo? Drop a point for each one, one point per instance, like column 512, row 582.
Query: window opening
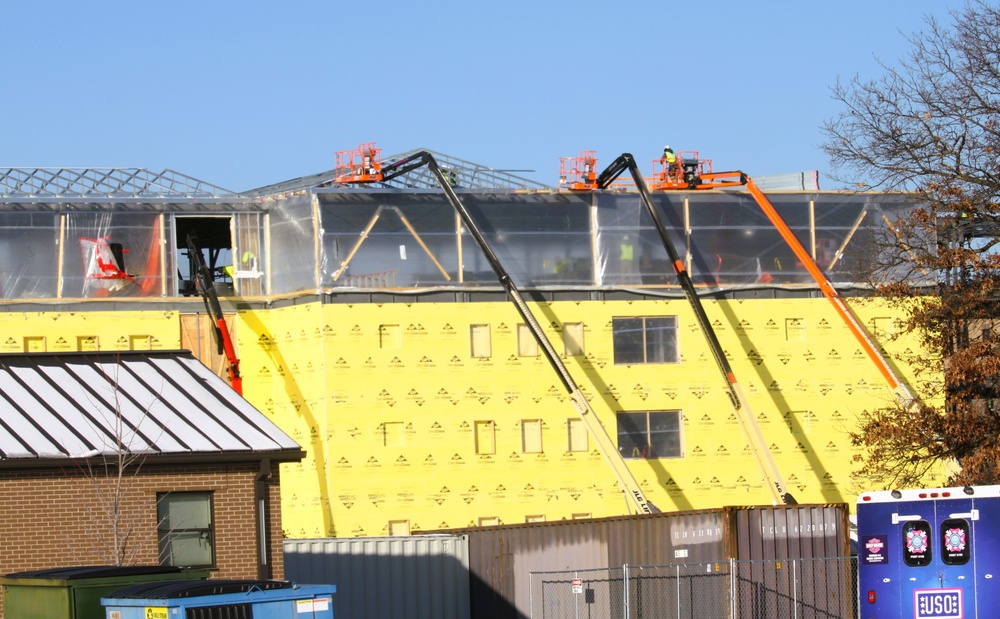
column 214, row 238
column 393, row 434
column 390, row 337
column 649, row 434
column 399, row 527
column 573, row 339
column 480, row 336
column 956, row 541
column 577, row 435
column 531, row 436
column 185, row 528
column 795, row 330
column 485, row 437
column 917, row 550
column 527, row 345
column 645, row 339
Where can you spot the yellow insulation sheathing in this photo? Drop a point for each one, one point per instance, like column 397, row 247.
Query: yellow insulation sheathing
column 419, row 416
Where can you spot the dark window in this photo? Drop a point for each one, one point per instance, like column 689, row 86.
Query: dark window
column 645, row 339
column 917, row 543
column 956, row 541
column 185, row 530
column 650, row 434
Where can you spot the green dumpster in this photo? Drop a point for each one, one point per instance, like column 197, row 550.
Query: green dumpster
column 75, row 592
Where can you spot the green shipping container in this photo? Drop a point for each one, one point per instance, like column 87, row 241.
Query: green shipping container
column 76, row 592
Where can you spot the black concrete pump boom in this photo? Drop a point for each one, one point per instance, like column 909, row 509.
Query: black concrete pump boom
column 633, row 492
column 755, row 439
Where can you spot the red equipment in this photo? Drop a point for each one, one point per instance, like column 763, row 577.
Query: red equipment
column 203, row 277
column 361, row 165
column 578, row 173
column 103, row 264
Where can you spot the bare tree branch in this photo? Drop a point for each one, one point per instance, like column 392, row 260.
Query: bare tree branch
column 931, row 126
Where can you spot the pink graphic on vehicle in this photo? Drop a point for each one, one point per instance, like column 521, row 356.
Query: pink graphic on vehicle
column 916, row 541
column 874, row 545
column 954, row 540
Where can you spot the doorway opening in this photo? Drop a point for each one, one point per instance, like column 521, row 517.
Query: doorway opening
column 214, row 237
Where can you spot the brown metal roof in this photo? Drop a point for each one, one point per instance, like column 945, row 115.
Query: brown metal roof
column 158, row 403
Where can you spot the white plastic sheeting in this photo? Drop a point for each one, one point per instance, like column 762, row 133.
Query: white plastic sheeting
column 379, row 239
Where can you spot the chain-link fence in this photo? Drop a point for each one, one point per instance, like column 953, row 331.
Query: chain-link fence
column 773, row 589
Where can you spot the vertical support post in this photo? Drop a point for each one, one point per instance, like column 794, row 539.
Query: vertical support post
column 458, row 248
column 264, row 568
column 60, row 260
column 687, row 234
column 267, row 254
column 625, row 584
column 795, row 588
column 576, row 599
column 812, row 228
column 317, row 245
column 531, row 593
column 733, row 588
column 677, row 572
column 595, row 247
column 163, row 254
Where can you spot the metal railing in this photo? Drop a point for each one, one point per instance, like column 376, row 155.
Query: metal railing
column 769, row 589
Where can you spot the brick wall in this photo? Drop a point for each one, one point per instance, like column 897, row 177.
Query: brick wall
column 57, row 517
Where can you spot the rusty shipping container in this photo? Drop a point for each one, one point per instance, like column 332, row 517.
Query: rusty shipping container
column 502, row 558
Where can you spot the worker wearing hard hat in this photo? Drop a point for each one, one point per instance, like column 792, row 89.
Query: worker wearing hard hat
column 669, row 160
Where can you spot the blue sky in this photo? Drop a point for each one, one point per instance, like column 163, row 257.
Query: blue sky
column 244, row 94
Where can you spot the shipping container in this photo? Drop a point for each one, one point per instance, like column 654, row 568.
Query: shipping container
column 409, row 577
column 484, row 573
column 502, row 558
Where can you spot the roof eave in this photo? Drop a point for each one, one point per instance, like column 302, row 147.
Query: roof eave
column 151, row 459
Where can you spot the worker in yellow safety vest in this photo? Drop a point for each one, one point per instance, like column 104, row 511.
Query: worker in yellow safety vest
column 248, row 262
column 669, row 160
column 625, row 256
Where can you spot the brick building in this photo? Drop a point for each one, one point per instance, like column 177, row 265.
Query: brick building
column 192, row 467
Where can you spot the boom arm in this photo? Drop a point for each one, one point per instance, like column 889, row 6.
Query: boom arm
column 901, row 391
column 208, row 294
column 755, row 439
column 630, row 486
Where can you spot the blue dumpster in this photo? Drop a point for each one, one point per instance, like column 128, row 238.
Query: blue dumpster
column 221, row 599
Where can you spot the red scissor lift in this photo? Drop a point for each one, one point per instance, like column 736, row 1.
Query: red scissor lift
column 361, row 165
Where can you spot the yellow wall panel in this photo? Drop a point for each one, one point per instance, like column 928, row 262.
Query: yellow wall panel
column 385, row 399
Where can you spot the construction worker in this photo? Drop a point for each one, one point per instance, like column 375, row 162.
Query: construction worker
column 626, row 255
column 669, row 160
column 249, row 261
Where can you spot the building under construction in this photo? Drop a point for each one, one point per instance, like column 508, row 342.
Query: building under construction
column 448, row 342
